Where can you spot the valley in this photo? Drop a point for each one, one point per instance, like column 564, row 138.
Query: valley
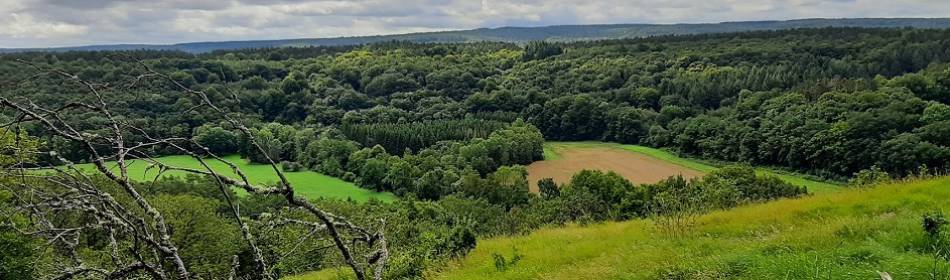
column 806, row 153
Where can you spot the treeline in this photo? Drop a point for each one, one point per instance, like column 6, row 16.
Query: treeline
column 862, row 93
column 396, row 137
column 599, row 196
column 826, row 101
column 838, row 134
column 876, row 122
column 429, row 173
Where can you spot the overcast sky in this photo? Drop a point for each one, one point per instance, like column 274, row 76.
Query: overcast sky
column 46, row 23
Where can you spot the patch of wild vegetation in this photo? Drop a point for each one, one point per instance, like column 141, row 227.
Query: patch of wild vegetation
column 420, row 232
column 896, row 229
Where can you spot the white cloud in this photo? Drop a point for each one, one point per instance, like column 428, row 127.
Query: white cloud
column 17, row 25
column 35, row 23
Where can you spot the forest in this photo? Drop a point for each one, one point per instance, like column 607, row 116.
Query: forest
column 448, row 128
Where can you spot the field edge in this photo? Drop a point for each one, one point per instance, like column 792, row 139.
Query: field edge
column 813, row 184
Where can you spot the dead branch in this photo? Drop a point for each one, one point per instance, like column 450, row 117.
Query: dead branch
column 142, row 227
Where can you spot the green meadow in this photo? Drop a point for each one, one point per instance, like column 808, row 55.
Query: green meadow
column 814, row 185
column 307, row 183
column 850, row 234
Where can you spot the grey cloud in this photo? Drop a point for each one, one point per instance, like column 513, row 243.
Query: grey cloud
column 167, row 4
column 89, row 4
column 35, row 23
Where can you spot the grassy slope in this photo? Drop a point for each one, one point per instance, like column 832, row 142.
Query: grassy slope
column 564, row 246
column 814, row 186
column 309, row 184
column 849, row 234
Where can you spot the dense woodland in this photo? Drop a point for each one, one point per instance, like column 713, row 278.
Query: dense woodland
column 448, row 127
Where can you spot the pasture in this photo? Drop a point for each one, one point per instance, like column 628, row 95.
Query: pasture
column 309, row 184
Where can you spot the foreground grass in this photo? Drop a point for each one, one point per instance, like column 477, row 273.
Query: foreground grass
column 308, row 184
column 551, row 150
column 850, row 234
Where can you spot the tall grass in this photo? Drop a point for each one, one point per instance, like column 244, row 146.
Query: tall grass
column 851, row 234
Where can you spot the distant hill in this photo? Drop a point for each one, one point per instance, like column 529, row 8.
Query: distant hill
column 524, row 34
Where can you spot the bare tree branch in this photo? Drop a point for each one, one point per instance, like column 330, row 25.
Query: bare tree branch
column 147, row 238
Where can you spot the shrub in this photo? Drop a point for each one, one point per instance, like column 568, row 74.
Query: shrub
column 349, row 177
column 19, row 255
column 462, row 241
column 732, row 185
column 502, row 264
column 933, row 223
column 548, row 188
column 592, row 188
column 291, row 166
column 937, row 241
column 216, row 139
column 869, row 177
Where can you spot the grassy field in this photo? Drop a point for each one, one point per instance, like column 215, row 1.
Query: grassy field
column 814, row 186
column 638, row 168
column 308, row 183
column 850, row 234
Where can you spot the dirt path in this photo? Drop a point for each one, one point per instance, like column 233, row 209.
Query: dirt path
column 637, row 168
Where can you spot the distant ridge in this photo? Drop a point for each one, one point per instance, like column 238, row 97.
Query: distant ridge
column 524, row 34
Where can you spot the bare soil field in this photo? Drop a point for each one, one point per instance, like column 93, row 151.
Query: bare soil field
column 637, row 168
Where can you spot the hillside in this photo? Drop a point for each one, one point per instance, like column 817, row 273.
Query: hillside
column 845, row 235
column 525, row 34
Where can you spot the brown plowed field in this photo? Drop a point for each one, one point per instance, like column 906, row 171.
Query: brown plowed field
column 637, row 168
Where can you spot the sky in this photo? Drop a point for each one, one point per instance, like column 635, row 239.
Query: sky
column 52, row 23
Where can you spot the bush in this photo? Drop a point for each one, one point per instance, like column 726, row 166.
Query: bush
column 210, row 237
column 869, row 177
column 462, row 241
column 291, row 166
column 933, row 223
column 602, row 196
column 349, row 177
column 548, row 188
column 216, row 139
column 19, row 254
column 938, row 241
column 742, row 184
column 502, row 264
